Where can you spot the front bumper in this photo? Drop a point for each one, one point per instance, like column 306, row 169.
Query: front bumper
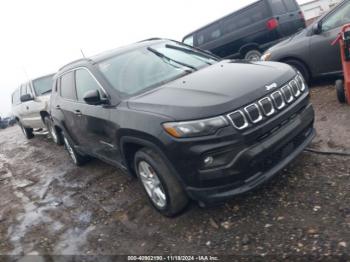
column 261, row 161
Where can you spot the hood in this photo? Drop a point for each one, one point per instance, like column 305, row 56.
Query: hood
column 213, row 91
column 289, row 40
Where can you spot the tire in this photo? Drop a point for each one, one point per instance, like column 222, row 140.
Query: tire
column 56, row 136
column 253, row 55
column 339, row 86
column 168, row 186
column 301, row 68
column 77, row 158
column 27, row 132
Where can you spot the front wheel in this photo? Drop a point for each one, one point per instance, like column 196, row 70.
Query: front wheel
column 27, row 132
column 161, row 186
column 299, row 66
column 339, row 86
column 253, row 55
column 56, row 136
column 77, row 158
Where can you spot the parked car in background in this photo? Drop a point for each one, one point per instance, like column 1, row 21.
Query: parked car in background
column 187, row 124
column 30, row 106
column 3, row 123
column 311, row 51
column 248, row 32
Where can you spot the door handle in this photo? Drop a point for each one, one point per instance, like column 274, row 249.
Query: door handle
column 58, row 107
column 78, row 113
column 27, row 107
column 291, row 15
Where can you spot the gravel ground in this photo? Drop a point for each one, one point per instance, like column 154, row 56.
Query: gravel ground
column 49, row 206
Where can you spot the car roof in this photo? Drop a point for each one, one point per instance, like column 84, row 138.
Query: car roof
column 108, row 54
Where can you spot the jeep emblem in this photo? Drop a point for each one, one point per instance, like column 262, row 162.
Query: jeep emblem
column 270, row 87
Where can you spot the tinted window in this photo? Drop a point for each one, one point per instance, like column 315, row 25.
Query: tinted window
column 278, row 7
column 209, row 34
column 338, row 18
column 253, row 14
column 16, row 97
column 43, row 85
column 291, row 5
column 84, row 82
column 67, row 86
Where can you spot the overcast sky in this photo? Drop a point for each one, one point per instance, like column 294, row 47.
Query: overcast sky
column 40, row 36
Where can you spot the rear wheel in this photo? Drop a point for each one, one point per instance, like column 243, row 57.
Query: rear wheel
column 27, row 132
column 161, row 186
column 253, row 55
column 77, row 158
column 56, row 136
column 339, row 86
column 301, row 68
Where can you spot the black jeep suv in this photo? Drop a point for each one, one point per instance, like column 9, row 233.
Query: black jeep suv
column 187, row 124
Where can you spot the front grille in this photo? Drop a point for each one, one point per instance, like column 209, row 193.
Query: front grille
column 278, row 100
column 253, row 113
column 287, row 94
column 269, row 105
column 294, row 87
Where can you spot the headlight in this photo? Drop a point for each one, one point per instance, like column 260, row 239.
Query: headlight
column 196, row 128
column 266, row 56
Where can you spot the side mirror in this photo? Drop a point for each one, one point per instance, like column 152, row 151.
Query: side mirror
column 317, row 28
column 93, row 97
column 26, row 98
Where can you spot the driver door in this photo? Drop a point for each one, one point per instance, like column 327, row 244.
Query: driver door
column 325, row 57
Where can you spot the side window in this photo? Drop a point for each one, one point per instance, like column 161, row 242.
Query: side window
column 278, row 7
column 244, row 18
column 23, row 89
column 338, row 18
column 84, row 82
column 189, row 40
column 291, row 5
column 16, row 97
column 29, row 90
column 67, row 89
column 209, row 34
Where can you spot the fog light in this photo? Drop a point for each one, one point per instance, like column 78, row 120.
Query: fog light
column 208, row 161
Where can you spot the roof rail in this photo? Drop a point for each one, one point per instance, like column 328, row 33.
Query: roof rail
column 76, row 61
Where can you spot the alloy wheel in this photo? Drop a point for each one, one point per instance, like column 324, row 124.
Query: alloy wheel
column 152, row 184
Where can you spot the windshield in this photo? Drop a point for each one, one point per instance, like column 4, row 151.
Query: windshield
column 43, row 85
column 144, row 68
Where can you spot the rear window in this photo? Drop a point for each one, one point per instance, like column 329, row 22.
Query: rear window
column 68, row 86
column 291, row 5
column 43, row 85
column 254, row 14
column 16, row 97
column 278, row 7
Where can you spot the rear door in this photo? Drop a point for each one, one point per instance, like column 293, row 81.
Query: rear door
column 288, row 14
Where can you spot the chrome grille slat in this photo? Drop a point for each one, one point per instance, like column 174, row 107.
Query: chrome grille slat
column 254, row 120
column 269, row 105
column 269, row 101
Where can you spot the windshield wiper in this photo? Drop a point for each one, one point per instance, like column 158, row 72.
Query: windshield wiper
column 161, row 55
column 189, row 51
column 48, row 91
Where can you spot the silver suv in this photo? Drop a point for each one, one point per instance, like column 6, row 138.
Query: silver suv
column 30, row 104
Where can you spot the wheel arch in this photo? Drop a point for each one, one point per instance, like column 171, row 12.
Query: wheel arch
column 300, row 60
column 248, row 47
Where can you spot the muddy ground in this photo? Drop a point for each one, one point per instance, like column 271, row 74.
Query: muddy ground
column 49, row 206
